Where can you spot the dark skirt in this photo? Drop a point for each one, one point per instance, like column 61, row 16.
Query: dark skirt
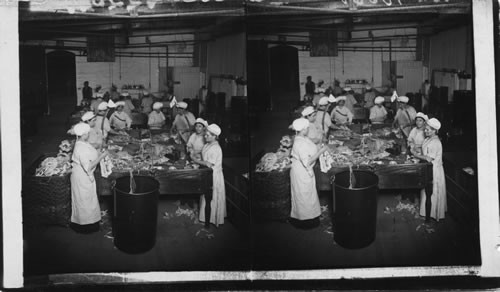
column 305, row 224
column 86, row 228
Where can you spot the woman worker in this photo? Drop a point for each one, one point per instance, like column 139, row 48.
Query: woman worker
column 183, row 121
column 416, row 137
column 85, row 210
column 341, row 115
column 146, row 103
column 128, row 106
column 350, row 100
column 432, row 151
column 111, row 108
column 305, row 202
column 315, row 134
column 196, row 141
column 405, row 116
column 212, row 157
column 156, row 119
column 119, row 119
column 323, row 120
column 378, row 113
column 102, row 125
column 95, row 138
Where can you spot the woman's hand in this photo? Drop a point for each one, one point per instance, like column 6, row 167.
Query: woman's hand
column 104, row 153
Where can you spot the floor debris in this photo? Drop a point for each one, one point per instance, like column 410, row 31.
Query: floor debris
column 106, row 225
column 426, row 228
column 205, row 234
column 186, row 212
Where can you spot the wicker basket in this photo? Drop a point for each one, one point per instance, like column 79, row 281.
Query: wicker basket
column 46, row 199
column 271, row 195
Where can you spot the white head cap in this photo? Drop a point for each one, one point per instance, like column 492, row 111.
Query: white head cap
column 125, row 94
column 300, row 124
column 99, row 94
column 323, row 101
column 347, row 89
column 145, row 93
column 403, row 99
column 332, row 99
column 394, row 96
column 422, row 116
column 173, row 102
column 214, row 129
column 201, row 121
column 120, row 103
column 102, row 106
column 88, row 116
column 434, row 123
column 307, row 111
column 182, row 105
column 111, row 104
column 81, row 129
column 157, row 105
column 368, row 86
column 342, row 97
column 379, row 100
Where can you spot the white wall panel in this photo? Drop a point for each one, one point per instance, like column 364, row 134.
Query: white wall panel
column 354, row 65
column 227, row 56
column 124, row 70
column 451, row 49
column 189, row 79
column 411, row 72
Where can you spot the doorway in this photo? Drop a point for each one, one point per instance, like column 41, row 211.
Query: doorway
column 61, row 81
column 285, row 87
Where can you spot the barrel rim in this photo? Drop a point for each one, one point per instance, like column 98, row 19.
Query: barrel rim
column 137, row 194
column 358, row 189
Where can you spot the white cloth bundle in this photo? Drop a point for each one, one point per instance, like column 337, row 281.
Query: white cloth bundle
column 106, row 167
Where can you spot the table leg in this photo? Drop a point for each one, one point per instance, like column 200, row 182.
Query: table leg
column 428, row 202
column 208, row 209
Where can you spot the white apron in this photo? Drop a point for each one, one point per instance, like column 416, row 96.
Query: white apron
column 305, row 201
column 213, row 153
column 85, row 207
column 432, row 147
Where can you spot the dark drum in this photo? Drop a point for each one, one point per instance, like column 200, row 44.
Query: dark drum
column 135, row 215
column 355, row 211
